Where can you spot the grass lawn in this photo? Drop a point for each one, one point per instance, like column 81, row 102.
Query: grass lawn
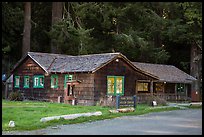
column 27, row 114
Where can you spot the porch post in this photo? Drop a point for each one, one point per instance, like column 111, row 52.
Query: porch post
column 151, row 87
column 175, row 91
column 6, row 89
column 186, row 90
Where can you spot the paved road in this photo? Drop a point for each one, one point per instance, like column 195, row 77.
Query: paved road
column 177, row 122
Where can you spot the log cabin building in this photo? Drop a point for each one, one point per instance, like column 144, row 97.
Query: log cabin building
column 85, row 79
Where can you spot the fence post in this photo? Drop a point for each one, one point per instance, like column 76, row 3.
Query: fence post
column 117, row 101
column 134, row 99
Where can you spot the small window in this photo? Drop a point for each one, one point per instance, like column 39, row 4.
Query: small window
column 54, row 81
column 180, row 87
column 143, row 86
column 26, row 82
column 159, row 87
column 67, row 78
column 38, row 81
column 17, row 82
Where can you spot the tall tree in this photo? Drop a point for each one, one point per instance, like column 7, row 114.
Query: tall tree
column 56, row 17
column 12, row 27
column 27, row 28
column 193, row 16
column 41, row 23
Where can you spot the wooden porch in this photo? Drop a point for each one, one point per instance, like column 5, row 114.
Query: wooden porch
column 170, row 97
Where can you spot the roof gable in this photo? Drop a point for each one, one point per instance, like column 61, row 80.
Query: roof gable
column 166, row 73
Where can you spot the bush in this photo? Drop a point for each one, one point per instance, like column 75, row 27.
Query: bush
column 15, row 96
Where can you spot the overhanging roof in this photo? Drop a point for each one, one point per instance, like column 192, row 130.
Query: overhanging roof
column 58, row 63
column 166, row 73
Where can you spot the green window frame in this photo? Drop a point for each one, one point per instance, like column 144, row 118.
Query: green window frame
column 54, row 81
column 26, row 81
column 115, row 85
column 38, row 81
column 17, row 82
column 67, row 77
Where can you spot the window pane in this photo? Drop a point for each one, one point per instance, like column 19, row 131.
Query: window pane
column 70, row 78
column 26, row 81
column 141, row 86
column 54, row 81
column 145, row 86
column 111, row 85
column 17, row 81
column 36, row 81
column 159, row 87
column 67, row 78
column 119, row 85
column 41, row 81
column 180, row 87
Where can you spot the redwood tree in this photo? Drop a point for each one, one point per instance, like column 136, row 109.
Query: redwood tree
column 56, row 16
column 27, row 28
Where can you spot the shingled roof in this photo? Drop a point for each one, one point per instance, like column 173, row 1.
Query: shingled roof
column 166, row 73
column 51, row 63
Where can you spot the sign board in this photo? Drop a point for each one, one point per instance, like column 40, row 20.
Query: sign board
column 125, row 101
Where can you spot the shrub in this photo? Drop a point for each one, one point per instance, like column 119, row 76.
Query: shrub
column 15, row 96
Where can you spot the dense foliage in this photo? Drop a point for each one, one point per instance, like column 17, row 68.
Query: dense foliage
column 155, row 32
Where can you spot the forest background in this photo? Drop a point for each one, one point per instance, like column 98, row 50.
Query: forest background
column 152, row 32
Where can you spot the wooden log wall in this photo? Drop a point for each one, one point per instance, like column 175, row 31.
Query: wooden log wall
column 114, row 68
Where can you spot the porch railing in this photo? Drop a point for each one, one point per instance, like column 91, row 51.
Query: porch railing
column 171, row 97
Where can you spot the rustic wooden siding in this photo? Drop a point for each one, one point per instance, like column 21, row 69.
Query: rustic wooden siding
column 114, row 68
column 84, row 92
column 27, row 68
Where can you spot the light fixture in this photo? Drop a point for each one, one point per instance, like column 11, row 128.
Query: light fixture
column 117, row 60
column 46, row 74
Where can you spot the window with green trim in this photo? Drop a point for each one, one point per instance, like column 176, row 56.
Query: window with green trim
column 17, row 82
column 38, row 81
column 67, row 78
column 54, row 81
column 115, row 85
column 26, row 82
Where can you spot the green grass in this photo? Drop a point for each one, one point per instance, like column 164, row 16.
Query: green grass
column 27, row 114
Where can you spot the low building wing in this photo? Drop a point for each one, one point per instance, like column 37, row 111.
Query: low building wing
column 166, row 73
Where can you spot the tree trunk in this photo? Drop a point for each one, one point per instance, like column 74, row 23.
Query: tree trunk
column 196, row 71
column 56, row 16
column 157, row 36
column 27, row 28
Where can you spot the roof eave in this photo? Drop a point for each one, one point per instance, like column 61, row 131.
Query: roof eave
column 129, row 62
column 38, row 63
column 23, row 58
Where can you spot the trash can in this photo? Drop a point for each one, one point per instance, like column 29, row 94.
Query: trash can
column 73, row 102
column 154, row 103
column 59, row 99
